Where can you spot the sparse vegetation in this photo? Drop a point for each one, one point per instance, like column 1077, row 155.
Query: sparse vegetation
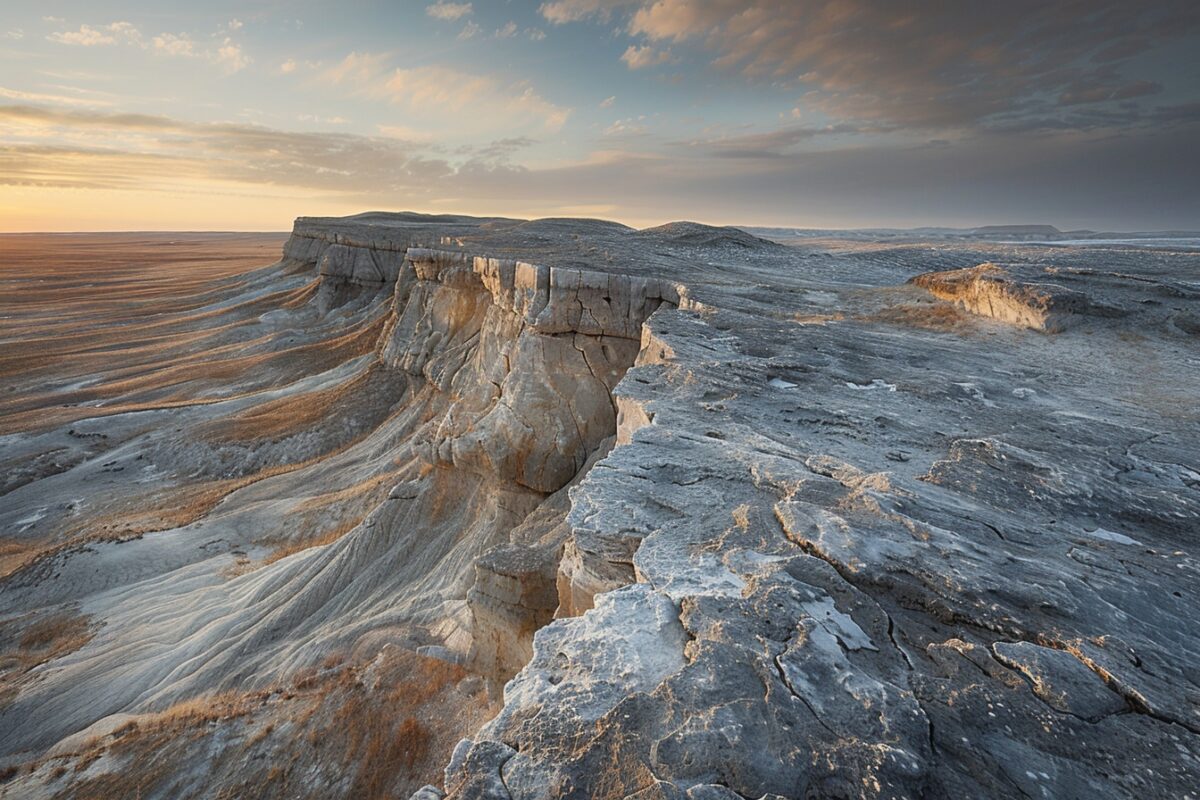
column 934, row 316
column 375, row 729
column 27, row 644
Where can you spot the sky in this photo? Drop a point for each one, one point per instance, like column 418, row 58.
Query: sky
column 244, row 115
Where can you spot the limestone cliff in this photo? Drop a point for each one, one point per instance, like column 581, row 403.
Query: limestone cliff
column 573, row 510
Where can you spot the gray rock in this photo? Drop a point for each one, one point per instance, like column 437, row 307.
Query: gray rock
column 1060, row 679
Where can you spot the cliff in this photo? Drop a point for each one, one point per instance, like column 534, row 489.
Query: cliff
column 572, row 510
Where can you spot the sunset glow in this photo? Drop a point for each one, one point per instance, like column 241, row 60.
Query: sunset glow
column 235, row 115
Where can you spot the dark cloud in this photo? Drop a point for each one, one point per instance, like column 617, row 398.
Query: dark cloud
column 1074, row 180
column 1106, row 88
column 780, row 143
column 499, row 151
column 923, row 63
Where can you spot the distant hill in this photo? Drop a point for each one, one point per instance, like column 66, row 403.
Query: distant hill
column 1017, row 230
column 1019, row 233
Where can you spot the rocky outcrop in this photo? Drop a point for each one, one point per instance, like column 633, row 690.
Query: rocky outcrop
column 513, row 596
column 990, row 291
column 546, row 348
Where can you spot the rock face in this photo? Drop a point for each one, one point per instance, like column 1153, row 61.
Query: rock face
column 711, row 517
column 993, row 292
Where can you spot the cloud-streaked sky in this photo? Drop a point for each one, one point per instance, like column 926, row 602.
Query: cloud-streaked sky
column 222, row 115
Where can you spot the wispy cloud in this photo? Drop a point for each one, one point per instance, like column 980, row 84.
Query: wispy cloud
column 564, row 11
column 317, row 118
column 641, row 57
column 780, row 143
column 87, row 36
column 231, row 57
column 58, row 99
column 630, row 126
column 448, row 11
column 215, row 152
column 221, row 50
column 446, row 90
column 174, row 44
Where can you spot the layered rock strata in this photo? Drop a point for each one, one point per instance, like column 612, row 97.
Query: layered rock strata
column 1021, row 299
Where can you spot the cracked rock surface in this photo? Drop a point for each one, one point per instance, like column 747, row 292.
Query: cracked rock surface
column 898, row 550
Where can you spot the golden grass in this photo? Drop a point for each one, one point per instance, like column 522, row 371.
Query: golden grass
column 185, row 376
column 57, row 633
column 817, row 319
column 285, row 549
column 286, row 415
column 352, row 492
column 944, row 317
column 164, row 510
column 14, row 553
column 373, row 730
column 26, row 645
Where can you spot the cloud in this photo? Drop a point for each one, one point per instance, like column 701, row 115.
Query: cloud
column 16, row 34
column 158, row 153
column 288, row 67
column 174, row 44
column 469, row 31
column 87, row 36
column 358, row 68
column 781, row 143
column 1103, row 91
column 38, row 97
column 636, row 57
column 448, row 11
column 406, row 133
column 631, row 126
column 499, row 151
column 608, row 101
column 230, row 56
column 222, row 50
column 226, row 53
column 335, row 120
column 564, row 11
column 921, row 63
column 511, row 29
column 924, row 62
column 234, row 24
column 445, row 90
column 1065, row 178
